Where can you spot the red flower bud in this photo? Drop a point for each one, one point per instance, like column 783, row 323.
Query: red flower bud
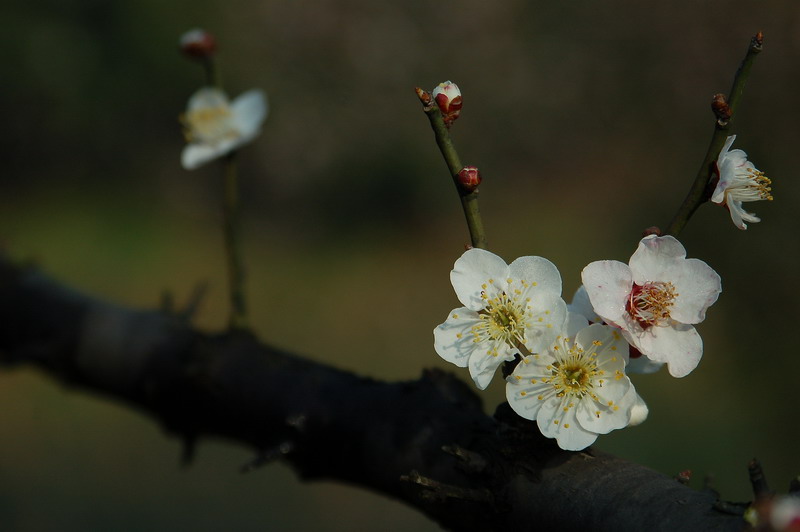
column 469, row 178
column 198, row 44
column 448, row 98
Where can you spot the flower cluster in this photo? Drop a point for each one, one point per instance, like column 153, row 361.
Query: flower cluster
column 571, row 375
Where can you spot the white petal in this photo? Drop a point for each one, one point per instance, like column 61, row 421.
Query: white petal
column 195, row 155
column 724, row 151
column 737, row 213
column 655, row 256
column 602, row 418
column 452, row 340
column 548, row 312
column 537, row 270
column 719, row 193
column 472, row 270
column 249, row 111
column 698, row 286
column 678, row 345
column 581, row 305
column 482, row 364
column 574, row 323
column 608, row 283
column 554, row 422
column 639, row 411
column 207, row 97
column 522, row 394
column 642, row 365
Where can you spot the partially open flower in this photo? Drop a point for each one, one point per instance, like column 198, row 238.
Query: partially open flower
column 448, row 98
column 506, row 307
column 577, row 387
column 739, row 181
column 215, row 127
column 655, row 300
column 198, row 44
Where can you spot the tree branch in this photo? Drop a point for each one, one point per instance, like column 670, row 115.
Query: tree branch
column 426, row 442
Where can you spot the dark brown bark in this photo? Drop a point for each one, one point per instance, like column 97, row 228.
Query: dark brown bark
column 426, row 442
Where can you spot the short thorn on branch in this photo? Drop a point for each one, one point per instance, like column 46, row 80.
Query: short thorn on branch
column 267, row 456
column 438, row 491
column 472, row 461
column 758, row 480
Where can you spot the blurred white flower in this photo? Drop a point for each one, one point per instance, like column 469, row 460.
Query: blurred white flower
column 655, row 299
column 505, row 307
column 215, row 127
column 739, row 181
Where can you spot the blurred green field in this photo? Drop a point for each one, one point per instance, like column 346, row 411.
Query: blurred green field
column 588, row 121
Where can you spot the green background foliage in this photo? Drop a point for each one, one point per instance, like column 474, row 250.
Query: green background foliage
column 588, row 120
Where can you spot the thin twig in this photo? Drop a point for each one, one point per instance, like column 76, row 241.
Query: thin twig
column 469, row 199
column 699, row 192
column 238, row 312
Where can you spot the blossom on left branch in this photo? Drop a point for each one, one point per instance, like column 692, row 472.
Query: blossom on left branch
column 215, row 127
column 506, row 308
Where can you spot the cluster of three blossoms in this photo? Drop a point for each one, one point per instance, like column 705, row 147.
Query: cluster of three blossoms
column 572, row 360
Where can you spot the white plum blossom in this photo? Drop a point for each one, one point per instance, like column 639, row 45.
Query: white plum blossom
column 655, row 300
column 739, row 181
column 215, row 127
column 577, row 388
column 506, row 308
column 637, row 363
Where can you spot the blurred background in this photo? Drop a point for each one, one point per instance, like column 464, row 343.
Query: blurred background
column 588, row 120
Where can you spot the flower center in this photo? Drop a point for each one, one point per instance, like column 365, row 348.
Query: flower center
column 650, row 304
column 758, row 186
column 575, row 374
column 208, row 124
column 504, row 319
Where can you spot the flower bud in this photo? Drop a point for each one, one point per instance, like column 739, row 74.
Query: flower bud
column 198, row 44
column 469, row 178
column 448, row 98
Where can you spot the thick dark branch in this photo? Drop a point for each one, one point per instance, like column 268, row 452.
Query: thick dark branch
column 426, row 442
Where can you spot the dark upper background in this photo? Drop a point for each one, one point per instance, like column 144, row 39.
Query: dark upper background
column 588, row 120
